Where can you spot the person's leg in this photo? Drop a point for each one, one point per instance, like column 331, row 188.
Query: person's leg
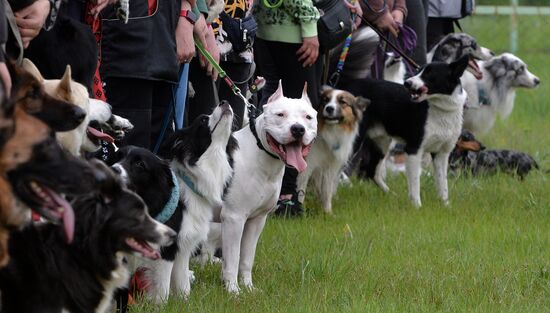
column 437, row 29
column 204, row 101
column 417, row 20
column 132, row 99
column 162, row 99
column 240, row 73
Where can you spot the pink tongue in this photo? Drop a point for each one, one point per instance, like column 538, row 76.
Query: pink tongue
column 100, row 135
column 68, row 214
column 294, row 157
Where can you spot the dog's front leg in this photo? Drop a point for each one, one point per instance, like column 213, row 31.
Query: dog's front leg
column 441, row 161
column 181, row 278
column 159, row 274
column 414, row 169
column 252, row 231
column 232, row 232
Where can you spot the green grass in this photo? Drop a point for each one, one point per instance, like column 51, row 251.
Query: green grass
column 488, row 252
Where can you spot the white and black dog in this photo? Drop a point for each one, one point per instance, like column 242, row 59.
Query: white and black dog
column 184, row 195
column 338, row 124
column 425, row 114
column 495, row 93
column 281, row 136
column 47, row 274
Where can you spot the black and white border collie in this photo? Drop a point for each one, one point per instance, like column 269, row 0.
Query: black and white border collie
column 182, row 194
column 337, row 127
column 425, row 115
column 47, row 274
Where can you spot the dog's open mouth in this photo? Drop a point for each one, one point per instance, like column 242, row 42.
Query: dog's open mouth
column 419, row 94
column 54, row 208
column 473, row 68
column 333, row 119
column 293, row 153
column 143, row 248
column 96, row 135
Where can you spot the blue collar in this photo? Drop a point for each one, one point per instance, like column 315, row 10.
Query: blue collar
column 187, row 180
column 172, row 204
column 483, row 95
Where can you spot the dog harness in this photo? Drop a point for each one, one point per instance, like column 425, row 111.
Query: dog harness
column 172, row 204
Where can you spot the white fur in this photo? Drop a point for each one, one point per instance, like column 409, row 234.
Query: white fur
column 329, row 153
column 119, row 279
column 256, row 184
column 480, row 118
column 210, row 175
column 394, row 72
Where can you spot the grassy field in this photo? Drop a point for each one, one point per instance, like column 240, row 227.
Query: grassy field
column 488, row 252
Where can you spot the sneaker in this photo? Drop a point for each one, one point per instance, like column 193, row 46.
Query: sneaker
column 289, row 207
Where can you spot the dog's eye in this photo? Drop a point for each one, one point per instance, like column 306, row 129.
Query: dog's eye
column 521, row 70
column 309, row 117
column 280, row 114
column 204, row 120
column 33, row 93
column 140, row 164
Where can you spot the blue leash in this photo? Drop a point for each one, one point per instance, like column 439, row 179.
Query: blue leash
column 177, row 105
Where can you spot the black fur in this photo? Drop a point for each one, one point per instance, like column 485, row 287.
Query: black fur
column 151, row 178
column 46, row 275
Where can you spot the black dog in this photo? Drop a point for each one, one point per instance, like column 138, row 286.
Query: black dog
column 46, row 274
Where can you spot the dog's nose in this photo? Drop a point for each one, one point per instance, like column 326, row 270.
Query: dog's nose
column 297, row 131
column 329, row 109
column 79, row 114
column 407, row 84
column 171, row 235
column 536, row 81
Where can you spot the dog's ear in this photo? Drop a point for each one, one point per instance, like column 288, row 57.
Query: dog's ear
column 305, row 97
column 64, row 87
column 362, row 103
column 458, row 67
column 32, row 69
column 277, row 94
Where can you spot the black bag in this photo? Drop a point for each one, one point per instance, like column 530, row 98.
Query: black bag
column 240, row 32
column 335, row 23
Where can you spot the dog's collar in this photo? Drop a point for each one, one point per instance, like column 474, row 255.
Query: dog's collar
column 189, row 183
column 482, row 95
column 172, row 204
column 252, row 123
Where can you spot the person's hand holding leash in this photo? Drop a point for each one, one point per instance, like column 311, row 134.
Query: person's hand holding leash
column 5, row 77
column 398, row 16
column 100, row 5
column 309, row 51
column 355, row 8
column 386, row 22
column 185, row 47
column 31, row 19
column 205, row 35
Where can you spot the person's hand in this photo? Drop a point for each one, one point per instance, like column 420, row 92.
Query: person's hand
column 100, row 5
column 398, row 16
column 31, row 19
column 355, row 8
column 200, row 31
column 214, row 50
column 309, row 51
column 5, row 77
column 185, row 47
column 387, row 23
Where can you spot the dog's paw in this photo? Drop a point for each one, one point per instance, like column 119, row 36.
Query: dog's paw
column 216, row 260
column 416, row 202
column 191, row 276
column 446, row 202
column 232, row 288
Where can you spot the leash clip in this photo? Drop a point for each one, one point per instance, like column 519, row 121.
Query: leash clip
column 334, row 78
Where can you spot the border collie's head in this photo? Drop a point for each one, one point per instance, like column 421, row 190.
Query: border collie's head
column 456, row 45
column 146, row 174
column 436, row 79
column 206, row 133
column 115, row 220
column 339, row 107
column 509, row 70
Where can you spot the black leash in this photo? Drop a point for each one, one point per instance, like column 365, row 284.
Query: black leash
column 252, row 124
column 392, row 45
